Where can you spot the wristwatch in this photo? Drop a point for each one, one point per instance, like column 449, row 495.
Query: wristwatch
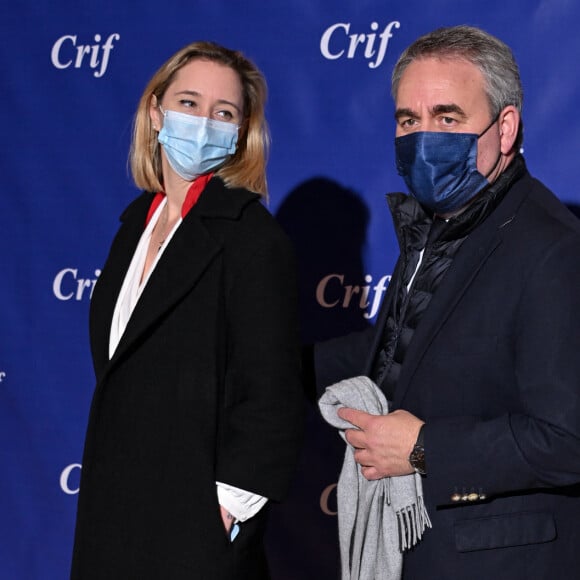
column 417, row 457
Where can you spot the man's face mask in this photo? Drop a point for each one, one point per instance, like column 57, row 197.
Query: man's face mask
column 440, row 169
column 195, row 145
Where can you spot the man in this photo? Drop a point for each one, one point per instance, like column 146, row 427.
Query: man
column 477, row 345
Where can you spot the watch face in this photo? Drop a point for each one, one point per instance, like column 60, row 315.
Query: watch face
column 417, row 459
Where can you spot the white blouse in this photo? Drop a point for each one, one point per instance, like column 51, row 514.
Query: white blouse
column 240, row 503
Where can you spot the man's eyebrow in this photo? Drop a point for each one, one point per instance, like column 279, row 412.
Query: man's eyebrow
column 403, row 112
column 436, row 110
column 451, row 108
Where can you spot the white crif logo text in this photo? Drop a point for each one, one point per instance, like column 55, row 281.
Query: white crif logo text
column 69, row 478
column 332, row 292
column 68, row 285
column 336, row 40
column 69, row 51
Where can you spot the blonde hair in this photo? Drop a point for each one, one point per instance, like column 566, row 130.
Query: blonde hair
column 247, row 166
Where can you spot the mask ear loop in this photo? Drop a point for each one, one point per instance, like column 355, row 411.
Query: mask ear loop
column 494, row 166
column 493, row 122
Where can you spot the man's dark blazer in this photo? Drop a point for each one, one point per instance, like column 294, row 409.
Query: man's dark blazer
column 204, row 386
column 494, row 370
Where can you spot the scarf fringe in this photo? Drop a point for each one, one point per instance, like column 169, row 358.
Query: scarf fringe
column 412, row 521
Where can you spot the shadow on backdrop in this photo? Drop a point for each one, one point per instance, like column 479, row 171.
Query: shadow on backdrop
column 327, row 224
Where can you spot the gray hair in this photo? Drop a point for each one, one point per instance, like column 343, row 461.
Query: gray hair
column 490, row 55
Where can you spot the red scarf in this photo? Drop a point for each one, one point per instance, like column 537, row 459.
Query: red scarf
column 191, row 197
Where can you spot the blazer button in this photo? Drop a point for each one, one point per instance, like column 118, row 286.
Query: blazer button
column 456, row 497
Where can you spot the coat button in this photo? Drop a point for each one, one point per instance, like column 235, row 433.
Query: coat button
column 473, row 497
column 456, row 497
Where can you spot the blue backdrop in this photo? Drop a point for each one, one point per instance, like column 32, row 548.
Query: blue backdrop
column 72, row 74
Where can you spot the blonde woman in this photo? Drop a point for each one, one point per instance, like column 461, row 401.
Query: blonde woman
column 196, row 418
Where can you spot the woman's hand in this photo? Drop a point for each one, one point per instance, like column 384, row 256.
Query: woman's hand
column 227, row 519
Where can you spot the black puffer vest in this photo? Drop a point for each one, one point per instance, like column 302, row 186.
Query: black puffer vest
column 440, row 241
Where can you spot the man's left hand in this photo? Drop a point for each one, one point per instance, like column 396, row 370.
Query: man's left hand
column 382, row 443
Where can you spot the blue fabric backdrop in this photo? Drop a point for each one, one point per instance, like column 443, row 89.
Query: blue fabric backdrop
column 72, row 74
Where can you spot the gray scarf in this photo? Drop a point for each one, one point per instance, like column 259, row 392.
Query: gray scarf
column 377, row 520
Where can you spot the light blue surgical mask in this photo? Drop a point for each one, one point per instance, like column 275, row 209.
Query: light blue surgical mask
column 440, row 169
column 196, row 145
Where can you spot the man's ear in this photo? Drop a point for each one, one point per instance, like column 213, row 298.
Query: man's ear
column 509, row 124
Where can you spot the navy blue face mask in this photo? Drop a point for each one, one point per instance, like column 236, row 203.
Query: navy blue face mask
column 440, row 169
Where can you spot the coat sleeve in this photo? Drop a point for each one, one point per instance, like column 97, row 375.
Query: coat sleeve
column 342, row 358
column 536, row 442
column 263, row 405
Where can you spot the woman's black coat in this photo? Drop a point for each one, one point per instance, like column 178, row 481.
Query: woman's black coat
column 203, row 387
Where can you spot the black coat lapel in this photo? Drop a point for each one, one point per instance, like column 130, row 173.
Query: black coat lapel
column 183, row 262
column 111, row 279
column 185, row 259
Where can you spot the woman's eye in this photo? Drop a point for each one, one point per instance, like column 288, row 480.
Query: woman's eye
column 225, row 115
column 187, row 103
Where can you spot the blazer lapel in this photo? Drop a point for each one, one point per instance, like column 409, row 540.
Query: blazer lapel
column 465, row 267
column 473, row 254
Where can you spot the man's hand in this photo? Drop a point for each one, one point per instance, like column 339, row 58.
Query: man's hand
column 383, row 443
